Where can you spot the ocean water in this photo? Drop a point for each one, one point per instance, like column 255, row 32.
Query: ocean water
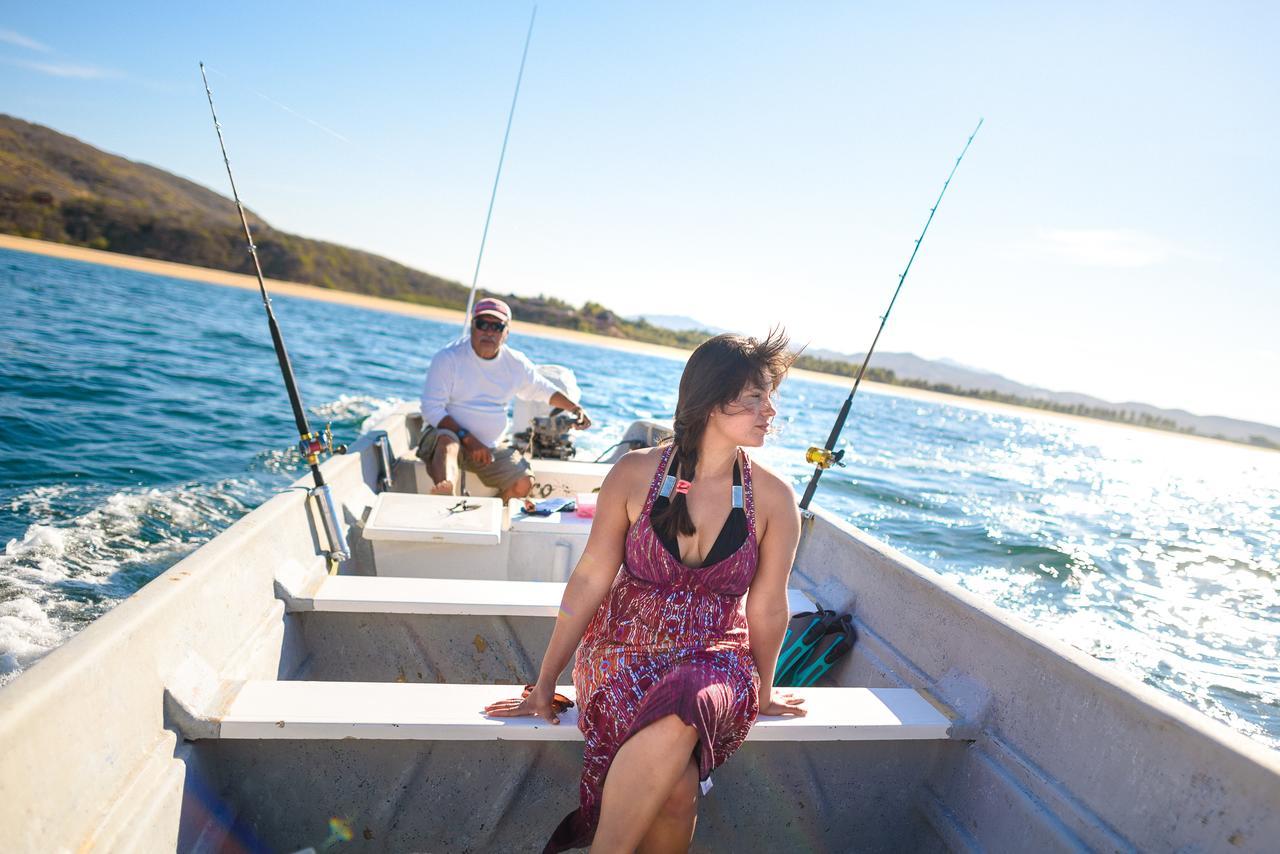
column 141, row 415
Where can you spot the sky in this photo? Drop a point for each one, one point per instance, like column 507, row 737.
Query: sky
column 1111, row 230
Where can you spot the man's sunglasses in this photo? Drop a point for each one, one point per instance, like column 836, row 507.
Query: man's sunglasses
column 485, row 325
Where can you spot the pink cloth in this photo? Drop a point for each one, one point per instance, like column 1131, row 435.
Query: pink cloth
column 668, row 640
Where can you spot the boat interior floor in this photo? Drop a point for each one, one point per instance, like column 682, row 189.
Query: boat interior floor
column 384, row 670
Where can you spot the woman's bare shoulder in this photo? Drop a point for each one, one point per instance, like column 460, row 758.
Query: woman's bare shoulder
column 635, row 467
column 773, row 493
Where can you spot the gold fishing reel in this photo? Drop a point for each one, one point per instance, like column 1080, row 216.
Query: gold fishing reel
column 824, row 458
column 313, row 444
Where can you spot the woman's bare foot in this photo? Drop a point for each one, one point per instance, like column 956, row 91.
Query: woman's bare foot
column 444, row 487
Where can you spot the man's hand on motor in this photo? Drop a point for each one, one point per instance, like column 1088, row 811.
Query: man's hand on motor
column 561, row 402
column 478, row 454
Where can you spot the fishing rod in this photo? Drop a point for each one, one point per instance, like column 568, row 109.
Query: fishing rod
column 310, row 443
column 475, row 278
column 825, row 457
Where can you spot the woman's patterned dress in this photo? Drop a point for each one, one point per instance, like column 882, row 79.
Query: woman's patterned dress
column 668, row 640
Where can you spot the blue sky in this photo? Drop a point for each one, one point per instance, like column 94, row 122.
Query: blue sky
column 1111, row 230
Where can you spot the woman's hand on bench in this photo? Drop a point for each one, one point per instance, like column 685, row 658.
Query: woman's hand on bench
column 537, row 701
column 783, row 703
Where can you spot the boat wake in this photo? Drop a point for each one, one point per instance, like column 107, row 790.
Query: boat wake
column 83, row 553
column 355, row 410
column 65, row 572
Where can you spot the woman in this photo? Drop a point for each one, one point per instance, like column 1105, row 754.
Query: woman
column 676, row 659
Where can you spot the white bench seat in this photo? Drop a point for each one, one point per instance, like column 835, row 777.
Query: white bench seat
column 448, row 712
column 483, row 597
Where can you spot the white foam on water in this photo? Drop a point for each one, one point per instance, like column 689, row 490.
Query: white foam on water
column 65, row 571
column 38, row 539
column 26, row 634
column 382, row 408
column 37, row 557
column 43, row 502
column 356, row 407
column 366, row 409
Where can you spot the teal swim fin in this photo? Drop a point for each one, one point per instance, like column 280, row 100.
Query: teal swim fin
column 803, row 631
column 830, row 648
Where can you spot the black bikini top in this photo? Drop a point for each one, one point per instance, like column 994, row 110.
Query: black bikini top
column 732, row 534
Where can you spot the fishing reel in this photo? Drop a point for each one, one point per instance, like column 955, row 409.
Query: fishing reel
column 825, row 459
column 549, row 437
column 313, row 444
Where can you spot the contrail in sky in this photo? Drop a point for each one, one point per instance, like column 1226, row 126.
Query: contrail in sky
column 333, row 133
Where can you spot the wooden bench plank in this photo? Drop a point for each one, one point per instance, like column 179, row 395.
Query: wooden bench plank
column 388, row 595
column 389, row 710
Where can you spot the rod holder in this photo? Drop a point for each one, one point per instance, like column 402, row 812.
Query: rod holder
column 382, row 442
column 338, row 548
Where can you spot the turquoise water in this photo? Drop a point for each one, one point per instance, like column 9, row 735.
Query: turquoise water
column 140, row 415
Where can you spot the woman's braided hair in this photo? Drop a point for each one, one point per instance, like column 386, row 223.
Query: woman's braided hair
column 714, row 376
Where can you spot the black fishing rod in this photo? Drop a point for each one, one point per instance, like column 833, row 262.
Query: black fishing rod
column 825, row 457
column 310, row 443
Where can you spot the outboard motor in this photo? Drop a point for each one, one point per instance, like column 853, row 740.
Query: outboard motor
column 541, row 431
column 641, row 434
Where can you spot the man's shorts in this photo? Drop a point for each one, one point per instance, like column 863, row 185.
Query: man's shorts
column 508, row 465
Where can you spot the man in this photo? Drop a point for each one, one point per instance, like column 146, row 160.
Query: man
column 464, row 406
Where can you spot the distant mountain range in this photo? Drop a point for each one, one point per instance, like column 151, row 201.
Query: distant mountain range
column 56, row 188
column 678, row 322
column 945, row 372
column 950, row 375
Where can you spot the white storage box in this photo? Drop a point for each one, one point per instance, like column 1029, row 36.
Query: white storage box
column 435, row 519
column 421, row 536
column 546, row 548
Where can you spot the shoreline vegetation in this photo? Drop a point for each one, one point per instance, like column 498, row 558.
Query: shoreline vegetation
column 58, row 191
column 830, row 371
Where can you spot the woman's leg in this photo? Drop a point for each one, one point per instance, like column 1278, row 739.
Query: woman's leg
column 672, row 830
column 640, row 780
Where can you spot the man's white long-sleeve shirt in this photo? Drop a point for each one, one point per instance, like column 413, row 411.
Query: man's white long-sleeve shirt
column 476, row 392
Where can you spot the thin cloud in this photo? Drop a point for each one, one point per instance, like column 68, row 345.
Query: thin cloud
column 1100, row 247
column 68, row 69
column 286, row 108
column 19, row 40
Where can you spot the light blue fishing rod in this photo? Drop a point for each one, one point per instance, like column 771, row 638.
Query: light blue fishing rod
column 475, row 278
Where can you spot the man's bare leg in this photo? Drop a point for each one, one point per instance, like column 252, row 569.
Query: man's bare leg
column 443, row 467
column 519, row 489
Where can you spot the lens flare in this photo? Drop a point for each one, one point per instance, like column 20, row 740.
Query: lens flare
column 339, row 831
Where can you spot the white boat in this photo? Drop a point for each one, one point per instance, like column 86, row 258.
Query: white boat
column 247, row 699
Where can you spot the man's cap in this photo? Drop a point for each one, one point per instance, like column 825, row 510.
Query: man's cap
column 495, row 307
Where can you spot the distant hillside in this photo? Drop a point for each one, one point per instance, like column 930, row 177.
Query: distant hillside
column 56, row 188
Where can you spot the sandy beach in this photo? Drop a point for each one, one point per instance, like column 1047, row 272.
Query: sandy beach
column 295, row 289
